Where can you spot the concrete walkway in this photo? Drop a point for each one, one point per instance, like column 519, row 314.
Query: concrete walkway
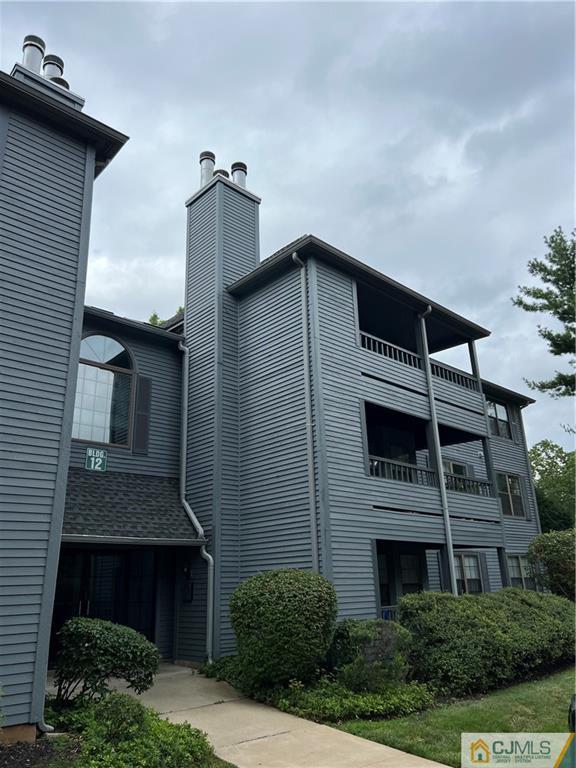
column 253, row 735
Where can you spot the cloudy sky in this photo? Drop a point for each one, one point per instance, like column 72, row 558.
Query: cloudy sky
column 435, row 142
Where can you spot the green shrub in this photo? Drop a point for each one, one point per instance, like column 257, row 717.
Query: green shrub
column 380, row 650
column 93, row 650
column 284, row 622
column 473, row 643
column 119, row 732
column 227, row 668
column 551, row 558
column 329, row 701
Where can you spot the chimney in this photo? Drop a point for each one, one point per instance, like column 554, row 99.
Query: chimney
column 52, row 66
column 32, row 53
column 239, row 172
column 207, row 162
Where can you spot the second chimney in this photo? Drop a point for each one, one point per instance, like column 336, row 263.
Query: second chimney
column 52, row 66
column 239, row 171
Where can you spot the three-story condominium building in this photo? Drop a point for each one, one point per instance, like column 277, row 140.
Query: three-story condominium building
column 293, row 415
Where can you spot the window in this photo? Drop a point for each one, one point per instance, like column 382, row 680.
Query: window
column 468, row 577
column 510, row 494
column 103, row 392
column 411, row 574
column 498, row 419
column 455, row 468
column 519, row 571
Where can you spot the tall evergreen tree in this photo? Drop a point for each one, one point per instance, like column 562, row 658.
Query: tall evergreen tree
column 557, row 297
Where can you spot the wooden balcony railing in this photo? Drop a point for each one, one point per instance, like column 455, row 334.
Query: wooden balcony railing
column 403, row 473
column 453, row 375
column 468, row 485
column 410, row 473
column 404, row 356
column 386, row 349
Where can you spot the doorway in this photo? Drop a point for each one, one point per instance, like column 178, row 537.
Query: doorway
column 117, row 585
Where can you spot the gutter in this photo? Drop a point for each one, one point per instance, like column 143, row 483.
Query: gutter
column 308, row 408
column 438, row 449
column 188, row 509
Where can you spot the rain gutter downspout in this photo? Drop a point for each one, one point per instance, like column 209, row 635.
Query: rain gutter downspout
column 308, row 410
column 188, row 509
column 437, row 448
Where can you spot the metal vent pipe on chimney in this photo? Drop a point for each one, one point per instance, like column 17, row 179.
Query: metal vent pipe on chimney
column 61, row 82
column 52, row 66
column 221, row 172
column 33, row 52
column 207, row 162
column 239, row 172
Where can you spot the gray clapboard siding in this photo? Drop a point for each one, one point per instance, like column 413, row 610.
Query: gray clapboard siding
column 163, row 365
column 274, row 502
column 45, row 196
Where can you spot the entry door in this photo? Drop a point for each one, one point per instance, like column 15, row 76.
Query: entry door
column 117, row 585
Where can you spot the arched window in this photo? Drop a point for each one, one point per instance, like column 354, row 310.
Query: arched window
column 104, row 392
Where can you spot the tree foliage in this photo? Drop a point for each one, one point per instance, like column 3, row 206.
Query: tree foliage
column 551, row 558
column 556, row 297
column 554, row 470
column 154, row 318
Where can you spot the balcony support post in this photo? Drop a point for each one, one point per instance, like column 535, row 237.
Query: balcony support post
column 488, row 458
column 436, row 448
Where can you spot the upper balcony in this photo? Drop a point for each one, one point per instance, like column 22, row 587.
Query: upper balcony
column 388, row 329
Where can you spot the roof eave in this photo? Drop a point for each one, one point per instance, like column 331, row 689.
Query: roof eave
column 136, row 325
column 106, row 141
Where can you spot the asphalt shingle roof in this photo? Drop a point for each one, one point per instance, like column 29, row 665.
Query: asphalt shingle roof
column 122, row 504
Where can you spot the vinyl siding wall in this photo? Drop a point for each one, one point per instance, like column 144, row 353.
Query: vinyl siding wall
column 364, row 508
column 44, row 213
column 275, row 527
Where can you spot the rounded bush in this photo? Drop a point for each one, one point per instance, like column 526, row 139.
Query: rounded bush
column 284, row 622
column 93, row 650
column 474, row 643
column 380, row 655
column 551, row 557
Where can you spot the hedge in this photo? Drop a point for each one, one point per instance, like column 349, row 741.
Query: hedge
column 284, row 623
column 91, row 651
column 473, row 643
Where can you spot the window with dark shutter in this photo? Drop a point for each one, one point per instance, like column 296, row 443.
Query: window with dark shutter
column 142, row 416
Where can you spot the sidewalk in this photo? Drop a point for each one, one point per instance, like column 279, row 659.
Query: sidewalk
column 253, row 735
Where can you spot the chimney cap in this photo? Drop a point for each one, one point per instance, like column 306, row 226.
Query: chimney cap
column 238, row 166
column 206, row 155
column 51, row 58
column 221, row 172
column 34, row 40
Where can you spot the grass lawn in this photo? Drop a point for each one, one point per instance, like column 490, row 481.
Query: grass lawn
column 540, row 705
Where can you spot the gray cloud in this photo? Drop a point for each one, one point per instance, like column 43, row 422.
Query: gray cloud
column 433, row 141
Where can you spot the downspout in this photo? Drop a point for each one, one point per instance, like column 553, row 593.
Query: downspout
column 188, row 509
column 308, row 410
column 437, row 448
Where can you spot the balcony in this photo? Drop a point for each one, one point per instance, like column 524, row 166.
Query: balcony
column 402, row 472
column 404, row 356
column 411, row 473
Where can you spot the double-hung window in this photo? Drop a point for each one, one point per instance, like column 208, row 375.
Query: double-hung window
column 520, row 575
column 498, row 419
column 510, row 493
column 468, row 575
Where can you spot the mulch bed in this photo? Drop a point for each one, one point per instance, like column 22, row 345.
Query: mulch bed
column 37, row 755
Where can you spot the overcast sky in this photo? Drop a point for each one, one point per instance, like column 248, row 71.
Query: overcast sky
column 435, row 142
